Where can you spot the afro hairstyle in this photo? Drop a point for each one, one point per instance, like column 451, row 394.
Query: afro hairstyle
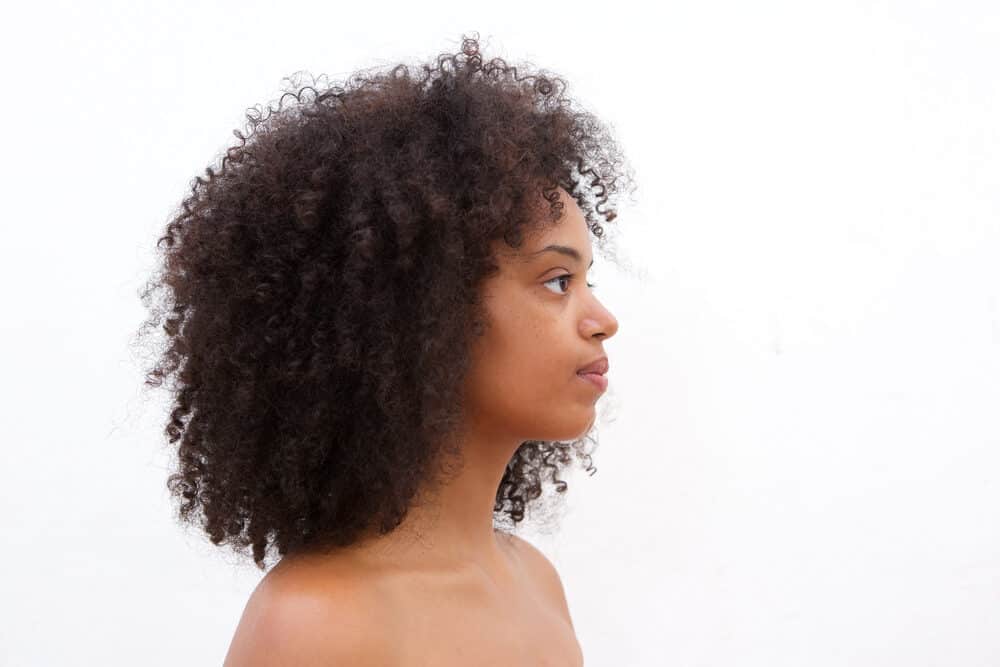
column 304, row 411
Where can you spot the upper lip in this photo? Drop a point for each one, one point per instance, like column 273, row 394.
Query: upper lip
column 599, row 366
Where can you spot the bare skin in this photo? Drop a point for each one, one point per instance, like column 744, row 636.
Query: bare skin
column 407, row 614
column 444, row 588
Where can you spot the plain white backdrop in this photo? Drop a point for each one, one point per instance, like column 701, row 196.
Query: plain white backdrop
column 802, row 463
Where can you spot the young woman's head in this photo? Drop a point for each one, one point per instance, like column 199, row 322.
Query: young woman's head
column 545, row 323
column 364, row 278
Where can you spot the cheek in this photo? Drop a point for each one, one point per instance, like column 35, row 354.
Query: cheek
column 537, row 381
column 520, row 378
column 537, row 361
column 526, row 361
column 535, row 397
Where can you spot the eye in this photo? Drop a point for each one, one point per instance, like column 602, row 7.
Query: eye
column 567, row 277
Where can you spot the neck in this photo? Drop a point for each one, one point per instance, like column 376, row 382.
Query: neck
column 451, row 527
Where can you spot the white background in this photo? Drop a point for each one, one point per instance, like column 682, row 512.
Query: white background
column 802, row 464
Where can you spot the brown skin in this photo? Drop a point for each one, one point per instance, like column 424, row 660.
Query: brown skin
column 320, row 293
column 336, row 611
column 522, row 386
column 445, row 569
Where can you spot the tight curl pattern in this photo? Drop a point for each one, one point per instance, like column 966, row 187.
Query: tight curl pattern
column 320, row 295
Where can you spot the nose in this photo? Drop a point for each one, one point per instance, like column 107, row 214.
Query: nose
column 599, row 322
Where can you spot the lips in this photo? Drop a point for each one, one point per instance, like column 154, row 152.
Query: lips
column 596, row 380
column 598, row 367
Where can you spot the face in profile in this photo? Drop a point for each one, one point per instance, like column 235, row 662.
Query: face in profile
column 546, row 324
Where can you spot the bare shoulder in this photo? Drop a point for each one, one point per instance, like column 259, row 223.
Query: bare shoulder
column 299, row 616
column 544, row 571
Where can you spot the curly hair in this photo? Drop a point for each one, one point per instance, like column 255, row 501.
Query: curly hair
column 296, row 273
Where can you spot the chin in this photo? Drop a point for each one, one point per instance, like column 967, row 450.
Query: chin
column 567, row 432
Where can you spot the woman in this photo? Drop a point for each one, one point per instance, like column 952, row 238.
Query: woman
column 382, row 340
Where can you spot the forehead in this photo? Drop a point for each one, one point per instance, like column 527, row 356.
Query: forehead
column 569, row 237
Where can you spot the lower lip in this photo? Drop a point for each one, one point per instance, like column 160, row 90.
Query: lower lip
column 598, row 381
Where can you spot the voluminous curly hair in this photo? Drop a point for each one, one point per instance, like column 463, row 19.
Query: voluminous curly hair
column 322, row 294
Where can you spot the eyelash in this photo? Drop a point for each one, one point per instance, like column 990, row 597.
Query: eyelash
column 567, row 276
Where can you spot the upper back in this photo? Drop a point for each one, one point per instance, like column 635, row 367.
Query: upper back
column 300, row 618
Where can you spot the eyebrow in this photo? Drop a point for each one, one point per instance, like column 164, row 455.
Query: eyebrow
column 565, row 250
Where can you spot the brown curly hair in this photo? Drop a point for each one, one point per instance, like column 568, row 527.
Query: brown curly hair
column 304, row 410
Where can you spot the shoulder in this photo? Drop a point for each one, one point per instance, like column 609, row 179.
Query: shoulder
column 298, row 617
column 544, row 572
